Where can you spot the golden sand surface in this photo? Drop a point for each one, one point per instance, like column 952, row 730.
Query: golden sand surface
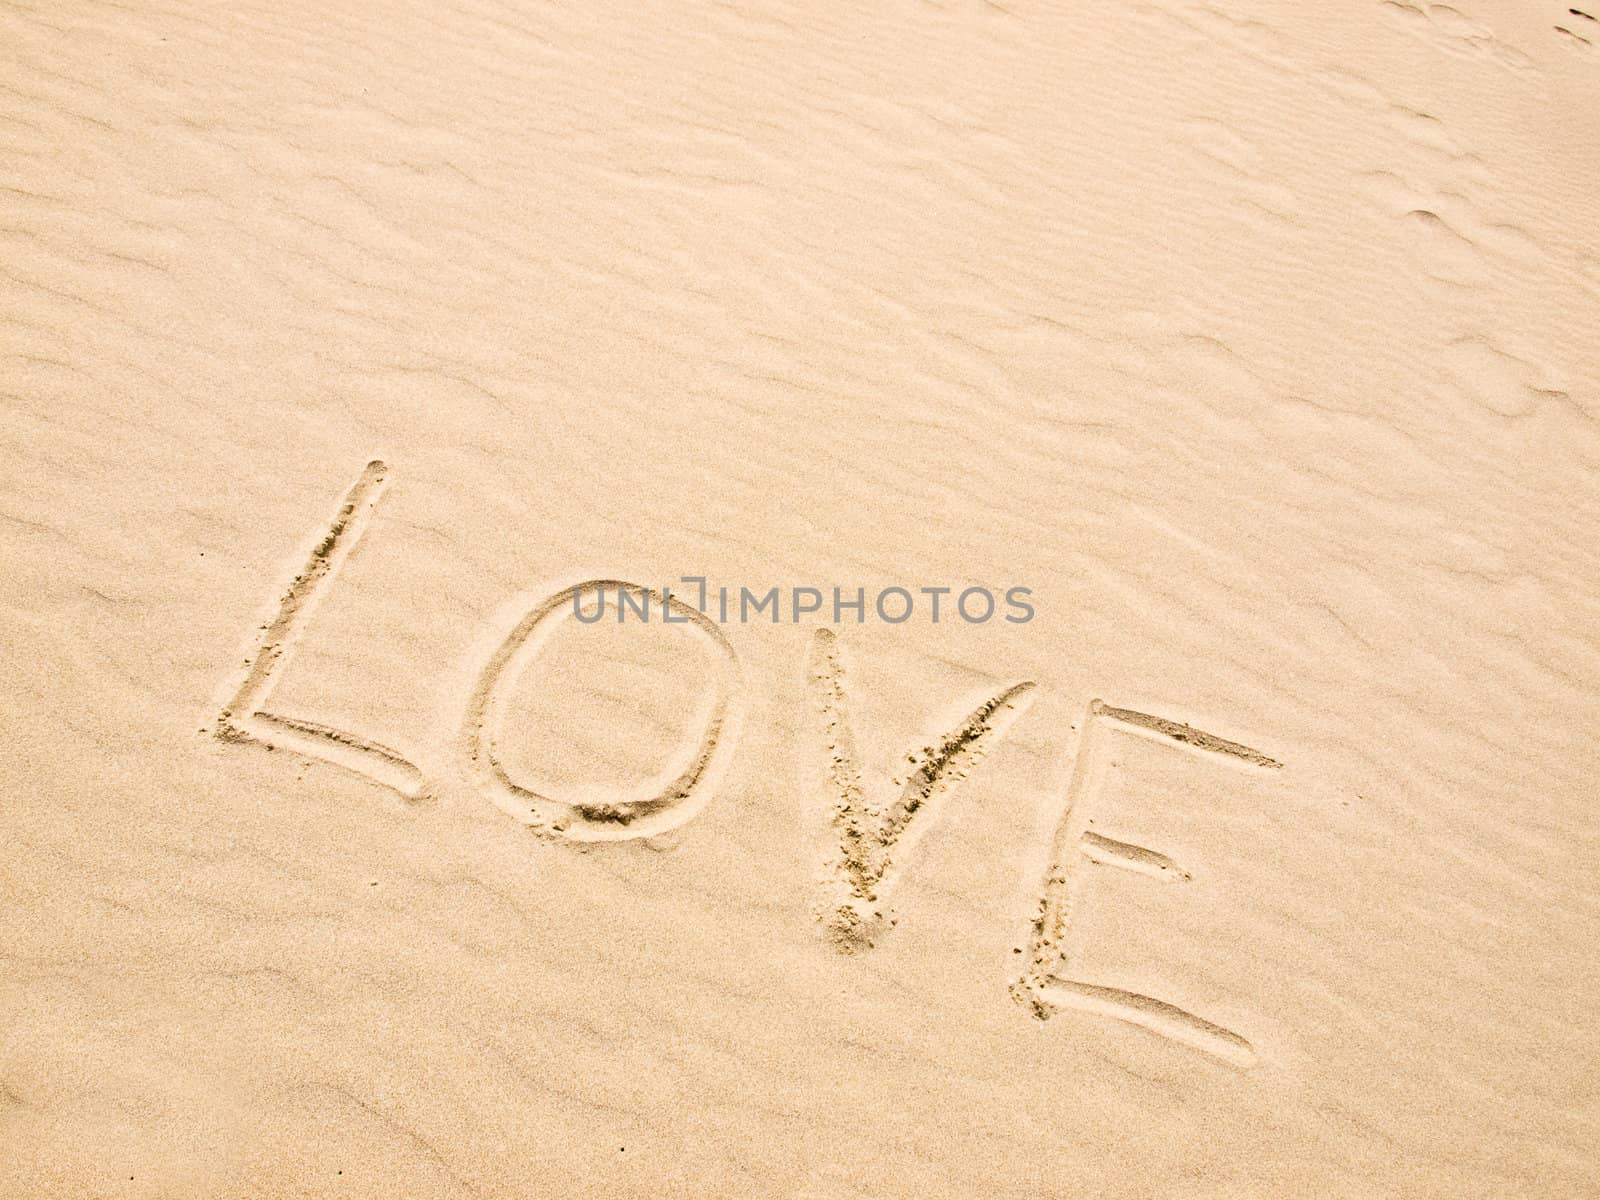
column 1242, row 353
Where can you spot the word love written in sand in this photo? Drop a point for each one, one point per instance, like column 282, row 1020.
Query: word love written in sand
column 867, row 832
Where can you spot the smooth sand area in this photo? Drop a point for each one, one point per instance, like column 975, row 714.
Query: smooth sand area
column 1256, row 343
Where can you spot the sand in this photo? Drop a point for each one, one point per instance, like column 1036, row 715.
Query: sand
column 341, row 344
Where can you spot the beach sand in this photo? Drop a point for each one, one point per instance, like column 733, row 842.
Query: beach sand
column 340, row 344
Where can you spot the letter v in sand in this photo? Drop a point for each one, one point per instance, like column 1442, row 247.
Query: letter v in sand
column 868, row 833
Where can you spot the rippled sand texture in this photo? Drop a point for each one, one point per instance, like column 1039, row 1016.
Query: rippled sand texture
column 1259, row 339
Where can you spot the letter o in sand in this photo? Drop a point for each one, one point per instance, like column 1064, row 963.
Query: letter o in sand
column 621, row 820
